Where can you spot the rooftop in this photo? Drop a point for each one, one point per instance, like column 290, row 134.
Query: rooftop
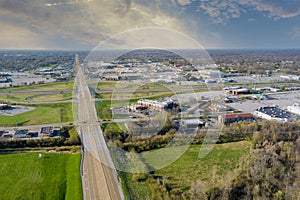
column 236, row 115
column 274, row 112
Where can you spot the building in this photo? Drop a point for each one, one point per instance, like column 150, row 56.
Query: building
column 156, row 104
column 237, row 90
column 290, row 77
column 273, row 113
column 135, row 107
column 192, row 123
column 236, row 117
column 211, row 74
column 47, row 130
column 295, row 108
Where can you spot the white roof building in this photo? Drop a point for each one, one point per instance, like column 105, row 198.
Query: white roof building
column 273, row 113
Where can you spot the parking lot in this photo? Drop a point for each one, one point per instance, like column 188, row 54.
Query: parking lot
column 15, row 110
column 280, row 99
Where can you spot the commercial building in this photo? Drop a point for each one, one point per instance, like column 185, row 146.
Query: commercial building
column 156, row 104
column 273, row 113
column 230, row 118
column 237, row 90
column 290, row 77
column 135, row 107
column 192, row 123
column 211, row 74
column 295, row 108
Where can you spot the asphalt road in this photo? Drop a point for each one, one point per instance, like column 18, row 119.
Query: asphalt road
column 100, row 179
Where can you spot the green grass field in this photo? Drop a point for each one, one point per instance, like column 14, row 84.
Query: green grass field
column 51, row 97
column 121, row 84
column 54, row 176
column 14, row 97
column 43, row 114
column 180, row 174
column 43, row 87
column 34, row 98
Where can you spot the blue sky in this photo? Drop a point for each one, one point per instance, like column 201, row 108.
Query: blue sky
column 82, row 24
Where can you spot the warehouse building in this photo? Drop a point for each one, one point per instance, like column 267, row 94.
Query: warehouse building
column 273, row 113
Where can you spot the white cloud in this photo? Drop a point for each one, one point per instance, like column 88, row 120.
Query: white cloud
column 221, row 11
column 87, row 21
column 184, row 2
column 278, row 8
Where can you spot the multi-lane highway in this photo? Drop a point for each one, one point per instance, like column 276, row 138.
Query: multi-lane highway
column 99, row 176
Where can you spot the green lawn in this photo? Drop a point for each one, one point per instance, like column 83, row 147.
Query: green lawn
column 43, row 87
column 51, row 97
column 54, row 176
column 121, row 84
column 35, row 98
column 14, row 97
column 179, row 175
column 43, row 114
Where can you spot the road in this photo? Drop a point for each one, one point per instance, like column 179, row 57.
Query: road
column 100, row 179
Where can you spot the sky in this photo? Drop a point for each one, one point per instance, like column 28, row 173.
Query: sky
column 215, row 24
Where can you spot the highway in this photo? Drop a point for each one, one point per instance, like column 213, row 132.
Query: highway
column 99, row 176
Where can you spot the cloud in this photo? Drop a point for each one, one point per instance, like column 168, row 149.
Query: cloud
column 85, row 21
column 184, row 2
column 251, row 20
column 278, row 8
column 220, row 11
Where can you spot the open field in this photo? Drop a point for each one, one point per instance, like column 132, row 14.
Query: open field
column 14, row 97
column 180, row 175
column 122, row 84
column 43, row 87
column 43, row 114
column 23, row 98
column 54, row 176
column 51, row 97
